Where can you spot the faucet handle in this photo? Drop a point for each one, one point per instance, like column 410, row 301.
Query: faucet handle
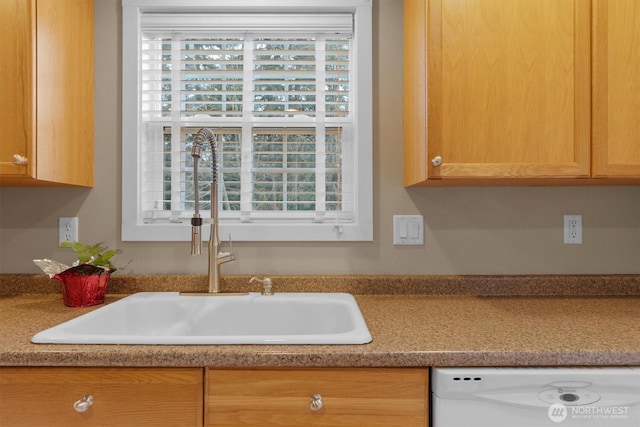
column 223, row 257
column 266, row 285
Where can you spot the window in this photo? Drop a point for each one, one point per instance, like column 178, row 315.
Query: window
column 286, row 89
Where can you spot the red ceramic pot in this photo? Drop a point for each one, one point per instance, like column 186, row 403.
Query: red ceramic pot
column 84, row 285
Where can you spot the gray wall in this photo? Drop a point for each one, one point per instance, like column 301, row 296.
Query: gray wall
column 498, row 230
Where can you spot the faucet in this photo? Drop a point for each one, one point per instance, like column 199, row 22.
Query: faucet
column 216, row 257
column 266, row 285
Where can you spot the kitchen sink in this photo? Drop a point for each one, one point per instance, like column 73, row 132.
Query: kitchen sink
column 175, row 319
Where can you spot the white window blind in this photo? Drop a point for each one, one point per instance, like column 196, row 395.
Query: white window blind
column 279, row 93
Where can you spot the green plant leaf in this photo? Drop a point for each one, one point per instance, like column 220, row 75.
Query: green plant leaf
column 96, row 254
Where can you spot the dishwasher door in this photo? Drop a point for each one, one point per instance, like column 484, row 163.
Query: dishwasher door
column 535, row 397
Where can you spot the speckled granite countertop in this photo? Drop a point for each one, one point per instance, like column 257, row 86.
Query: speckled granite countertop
column 415, row 321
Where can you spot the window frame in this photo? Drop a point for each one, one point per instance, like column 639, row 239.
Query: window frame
column 359, row 229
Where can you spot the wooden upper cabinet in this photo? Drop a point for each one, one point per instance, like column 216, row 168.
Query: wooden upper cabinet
column 507, row 89
column 16, row 71
column 46, row 106
column 616, row 88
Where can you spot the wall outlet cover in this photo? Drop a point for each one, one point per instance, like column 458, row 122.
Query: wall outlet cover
column 572, row 230
column 67, row 229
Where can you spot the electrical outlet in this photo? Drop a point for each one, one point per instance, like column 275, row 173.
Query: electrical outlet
column 572, row 229
column 67, row 229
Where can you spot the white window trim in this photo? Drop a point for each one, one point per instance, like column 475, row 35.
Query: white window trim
column 361, row 229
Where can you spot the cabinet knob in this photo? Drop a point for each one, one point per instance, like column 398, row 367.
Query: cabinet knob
column 316, row 402
column 436, row 161
column 83, row 404
column 19, row 160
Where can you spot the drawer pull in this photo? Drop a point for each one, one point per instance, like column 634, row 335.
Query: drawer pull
column 83, row 404
column 316, row 402
column 436, row 161
column 19, row 160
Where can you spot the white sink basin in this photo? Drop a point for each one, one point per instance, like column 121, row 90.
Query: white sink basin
column 171, row 318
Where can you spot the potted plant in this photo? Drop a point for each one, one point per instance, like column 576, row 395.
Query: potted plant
column 85, row 282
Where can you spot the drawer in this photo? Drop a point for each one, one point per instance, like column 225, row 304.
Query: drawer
column 120, row 397
column 343, row 397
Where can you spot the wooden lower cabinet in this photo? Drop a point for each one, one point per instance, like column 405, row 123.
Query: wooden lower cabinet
column 182, row 397
column 285, row 397
column 120, row 397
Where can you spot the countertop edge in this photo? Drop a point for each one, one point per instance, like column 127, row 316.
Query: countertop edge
column 288, row 359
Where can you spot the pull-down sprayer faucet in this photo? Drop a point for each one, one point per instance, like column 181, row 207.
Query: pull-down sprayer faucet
column 216, row 258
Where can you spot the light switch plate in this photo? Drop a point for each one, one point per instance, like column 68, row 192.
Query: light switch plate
column 408, row 230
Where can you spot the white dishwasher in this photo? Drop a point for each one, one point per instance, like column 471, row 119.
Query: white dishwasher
column 535, row 397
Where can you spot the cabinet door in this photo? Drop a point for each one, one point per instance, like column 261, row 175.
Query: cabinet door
column 508, row 88
column 65, row 119
column 317, row 397
column 46, row 106
column 616, row 88
column 16, row 83
column 120, row 397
